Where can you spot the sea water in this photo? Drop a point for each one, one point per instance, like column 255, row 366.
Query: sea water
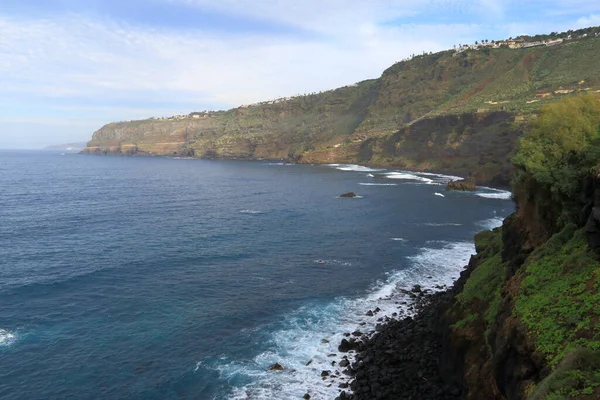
column 162, row 278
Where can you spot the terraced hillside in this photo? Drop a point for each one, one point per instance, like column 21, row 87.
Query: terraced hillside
column 457, row 112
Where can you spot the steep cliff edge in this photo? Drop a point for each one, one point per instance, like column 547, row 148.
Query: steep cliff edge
column 445, row 112
column 523, row 320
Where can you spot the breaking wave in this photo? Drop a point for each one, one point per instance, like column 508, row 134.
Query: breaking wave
column 498, row 195
column 353, row 167
column 307, row 339
column 407, row 176
column 6, row 338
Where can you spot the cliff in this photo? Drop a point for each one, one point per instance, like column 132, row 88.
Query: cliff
column 456, row 112
column 523, row 320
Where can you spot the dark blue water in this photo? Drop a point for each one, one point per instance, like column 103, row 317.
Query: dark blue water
column 156, row 278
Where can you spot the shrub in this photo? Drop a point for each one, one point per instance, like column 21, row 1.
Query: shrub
column 563, row 144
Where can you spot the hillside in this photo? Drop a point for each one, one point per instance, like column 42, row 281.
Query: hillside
column 523, row 320
column 458, row 112
column 528, row 314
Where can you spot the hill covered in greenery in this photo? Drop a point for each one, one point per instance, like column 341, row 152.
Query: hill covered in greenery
column 528, row 315
column 452, row 111
column 523, row 319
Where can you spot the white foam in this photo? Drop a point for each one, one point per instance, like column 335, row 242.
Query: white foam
column 498, row 195
column 377, row 184
column 338, row 262
column 370, row 176
column 492, row 223
column 438, row 194
column 250, row 212
column 407, row 176
column 442, row 176
column 198, row 365
column 6, row 338
column 353, row 167
column 300, row 341
column 398, row 239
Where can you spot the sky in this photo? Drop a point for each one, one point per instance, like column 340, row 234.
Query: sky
column 67, row 67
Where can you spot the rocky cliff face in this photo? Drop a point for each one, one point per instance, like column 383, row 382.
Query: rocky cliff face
column 522, row 321
column 441, row 112
column 528, row 314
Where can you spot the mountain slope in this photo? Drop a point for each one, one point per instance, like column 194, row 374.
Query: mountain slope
column 444, row 97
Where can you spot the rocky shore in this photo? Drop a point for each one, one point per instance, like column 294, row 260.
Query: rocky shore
column 407, row 358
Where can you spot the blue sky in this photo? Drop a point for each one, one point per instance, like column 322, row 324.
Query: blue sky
column 67, row 67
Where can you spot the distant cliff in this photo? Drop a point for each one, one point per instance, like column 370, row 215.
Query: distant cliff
column 450, row 111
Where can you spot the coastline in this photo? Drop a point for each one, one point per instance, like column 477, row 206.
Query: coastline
column 488, row 184
column 410, row 358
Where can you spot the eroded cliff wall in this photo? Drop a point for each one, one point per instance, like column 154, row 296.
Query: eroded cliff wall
column 448, row 112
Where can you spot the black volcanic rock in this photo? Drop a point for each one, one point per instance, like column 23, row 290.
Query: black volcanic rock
column 276, row 367
column 465, row 185
column 402, row 360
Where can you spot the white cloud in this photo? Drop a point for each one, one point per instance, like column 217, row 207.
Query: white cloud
column 116, row 70
column 75, row 56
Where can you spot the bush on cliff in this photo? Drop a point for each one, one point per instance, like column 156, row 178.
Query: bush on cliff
column 562, row 147
column 578, row 374
column 559, row 297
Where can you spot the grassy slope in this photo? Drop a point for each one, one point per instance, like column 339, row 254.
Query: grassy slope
column 557, row 301
column 335, row 126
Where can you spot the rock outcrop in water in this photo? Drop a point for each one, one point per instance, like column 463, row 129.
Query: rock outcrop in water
column 463, row 185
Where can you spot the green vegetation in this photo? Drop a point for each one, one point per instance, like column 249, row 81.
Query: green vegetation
column 480, row 298
column 432, row 89
column 563, row 144
column 578, row 374
column 559, row 298
column 547, row 304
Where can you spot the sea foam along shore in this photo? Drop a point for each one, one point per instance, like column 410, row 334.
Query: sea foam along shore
column 403, row 360
column 307, row 342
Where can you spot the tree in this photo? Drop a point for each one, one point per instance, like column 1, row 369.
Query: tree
column 563, row 144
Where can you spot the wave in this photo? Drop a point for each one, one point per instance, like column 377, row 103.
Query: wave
column 399, row 240
column 250, row 212
column 492, row 223
column 407, row 176
column 438, row 194
column 370, row 176
column 6, row 338
column 500, row 195
column 378, row 184
column 305, row 345
column 353, row 167
column 338, row 262
column 442, row 176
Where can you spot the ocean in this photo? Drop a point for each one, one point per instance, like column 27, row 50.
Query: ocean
column 165, row 278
